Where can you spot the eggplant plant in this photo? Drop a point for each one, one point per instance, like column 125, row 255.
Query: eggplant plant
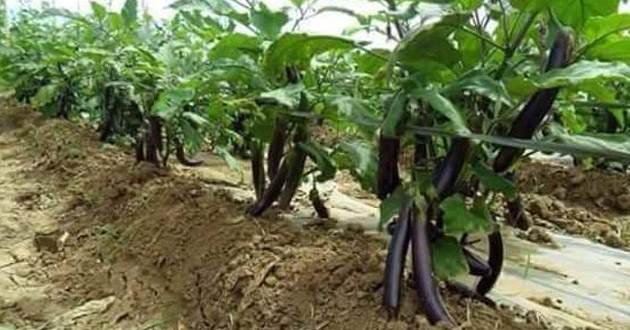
column 471, row 86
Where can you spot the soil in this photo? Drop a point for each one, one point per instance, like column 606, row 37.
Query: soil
column 593, row 204
column 94, row 241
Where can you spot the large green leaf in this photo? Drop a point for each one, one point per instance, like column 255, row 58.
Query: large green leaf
column 391, row 206
column 570, row 12
column 298, row 50
column 430, row 42
column 129, row 12
column 288, row 96
column 99, row 11
column 234, row 45
column 458, row 219
column 481, row 83
column 268, row 23
column 394, row 120
column 171, row 102
column 613, row 50
column 614, row 143
column 361, row 160
column 322, row 158
column 442, row 105
column 600, row 27
column 585, row 71
column 448, row 258
column 494, row 181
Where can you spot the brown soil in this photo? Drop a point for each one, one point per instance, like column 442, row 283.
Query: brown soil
column 594, row 204
column 147, row 247
column 599, row 191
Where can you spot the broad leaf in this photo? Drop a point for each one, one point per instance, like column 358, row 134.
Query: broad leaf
column 288, row 96
column 360, row 160
column 448, row 258
column 430, row 42
column 394, row 120
column 171, row 102
column 493, row 181
column 599, row 27
column 479, row 82
column 321, row 157
column 298, row 50
column 613, row 50
column 444, row 106
column 267, row 22
column 391, row 206
column 235, row 45
column 129, row 12
column 458, row 219
column 585, row 71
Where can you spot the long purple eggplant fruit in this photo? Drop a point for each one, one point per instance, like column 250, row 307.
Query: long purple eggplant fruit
column 446, row 175
column 273, row 191
column 276, row 147
column 539, row 104
column 258, row 169
column 388, row 178
column 423, row 272
column 395, row 264
column 495, row 261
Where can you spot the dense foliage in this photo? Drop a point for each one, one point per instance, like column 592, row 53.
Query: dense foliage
column 468, row 86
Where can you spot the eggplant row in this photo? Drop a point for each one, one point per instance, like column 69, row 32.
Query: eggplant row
column 388, row 178
column 538, row 106
column 395, row 264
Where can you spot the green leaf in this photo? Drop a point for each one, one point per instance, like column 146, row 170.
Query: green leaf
column 298, row 3
column 45, row 95
column 494, row 181
column 448, row 258
column 575, row 13
column 599, row 27
column 430, row 42
column 196, row 119
column 459, row 220
column 99, row 11
column 391, row 206
column 614, row 50
column 613, row 143
column 288, row 96
column 129, row 12
column 442, row 105
column 171, row 102
column 585, row 71
column 232, row 162
column 481, row 83
column 298, row 50
column 394, row 120
column 360, row 160
column 520, row 87
column 321, row 157
column 235, row 45
column 353, row 111
column 267, row 22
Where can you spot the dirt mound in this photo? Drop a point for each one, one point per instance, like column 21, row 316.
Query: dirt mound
column 599, row 191
column 177, row 254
